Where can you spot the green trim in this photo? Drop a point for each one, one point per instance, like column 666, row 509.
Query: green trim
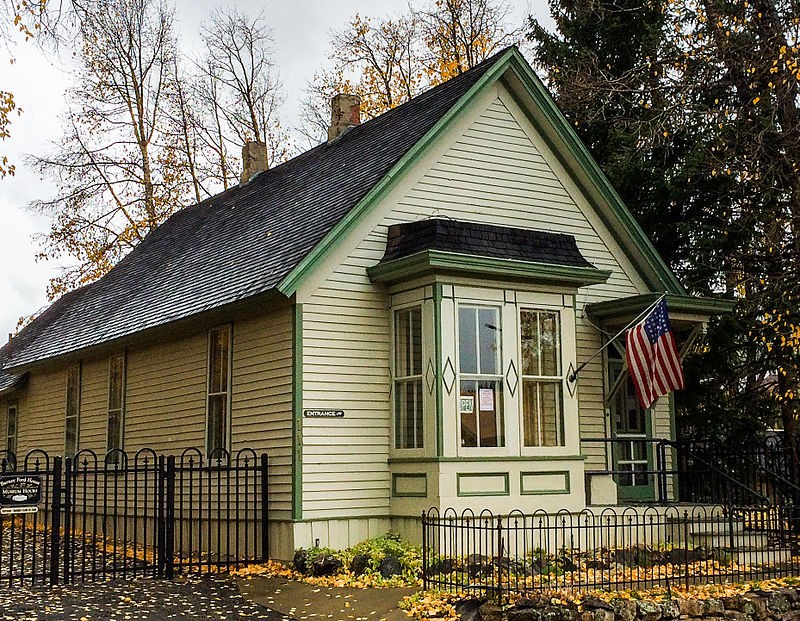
column 484, row 458
column 477, row 475
column 621, row 217
column 410, row 475
column 673, row 432
column 297, row 413
column 434, row 261
column 437, row 327
column 564, row 490
column 312, row 260
column 676, row 303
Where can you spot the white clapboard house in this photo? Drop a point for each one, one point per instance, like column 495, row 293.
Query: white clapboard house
column 392, row 315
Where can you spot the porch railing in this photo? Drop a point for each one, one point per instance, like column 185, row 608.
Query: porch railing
column 632, row 548
column 706, row 472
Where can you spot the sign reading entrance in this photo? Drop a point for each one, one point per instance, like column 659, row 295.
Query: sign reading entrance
column 20, row 493
column 323, row 413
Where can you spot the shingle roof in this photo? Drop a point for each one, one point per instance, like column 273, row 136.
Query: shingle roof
column 242, row 242
column 482, row 240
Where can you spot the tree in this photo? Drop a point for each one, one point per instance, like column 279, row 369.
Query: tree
column 691, row 109
column 389, row 61
column 118, row 173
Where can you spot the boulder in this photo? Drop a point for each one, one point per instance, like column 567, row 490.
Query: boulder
column 326, row 565
column 390, row 566
column 442, row 566
column 359, row 564
column 469, row 609
column 300, row 561
column 595, row 603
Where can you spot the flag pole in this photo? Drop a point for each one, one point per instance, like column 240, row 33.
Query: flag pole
column 574, row 375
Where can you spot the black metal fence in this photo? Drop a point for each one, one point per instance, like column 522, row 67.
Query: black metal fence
column 119, row 514
column 630, row 548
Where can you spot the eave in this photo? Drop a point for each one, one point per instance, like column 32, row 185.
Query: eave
column 683, row 309
column 439, row 262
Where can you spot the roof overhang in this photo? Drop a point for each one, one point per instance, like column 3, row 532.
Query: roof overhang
column 684, row 311
column 430, row 262
column 13, row 384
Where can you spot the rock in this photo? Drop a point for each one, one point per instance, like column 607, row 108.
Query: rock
column 566, row 563
column 711, row 607
column 778, row 603
column 590, row 602
column 603, row 615
column 389, row 567
column 625, row 609
column 300, row 561
column 527, row 602
column 442, row 566
column 524, row 614
column 491, row 612
column 732, row 603
column 754, row 606
column 734, row 615
column 648, row 611
column 679, row 556
column 792, row 615
column 670, row 610
column 359, row 564
column 468, row 609
column 326, row 565
column 555, row 613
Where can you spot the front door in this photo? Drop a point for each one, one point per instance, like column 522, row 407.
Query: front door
column 632, row 451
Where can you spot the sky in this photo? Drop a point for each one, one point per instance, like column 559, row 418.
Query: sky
column 301, row 30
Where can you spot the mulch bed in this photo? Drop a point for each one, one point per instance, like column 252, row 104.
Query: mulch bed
column 191, row 598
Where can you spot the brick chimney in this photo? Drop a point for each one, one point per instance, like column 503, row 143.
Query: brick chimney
column 345, row 113
column 254, row 160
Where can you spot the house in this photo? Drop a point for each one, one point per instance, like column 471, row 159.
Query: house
column 393, row 315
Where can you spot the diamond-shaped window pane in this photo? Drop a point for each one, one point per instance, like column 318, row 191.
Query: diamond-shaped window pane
column 430, row 377
column 449, row 376
column 512, row 378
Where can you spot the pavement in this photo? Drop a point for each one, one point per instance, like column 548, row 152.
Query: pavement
column 306, row 602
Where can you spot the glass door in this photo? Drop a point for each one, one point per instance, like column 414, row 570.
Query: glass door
column 632, row 450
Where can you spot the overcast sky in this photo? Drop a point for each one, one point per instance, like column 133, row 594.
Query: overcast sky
column 301, row 30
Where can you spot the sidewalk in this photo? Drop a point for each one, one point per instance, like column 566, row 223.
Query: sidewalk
column 307, row 602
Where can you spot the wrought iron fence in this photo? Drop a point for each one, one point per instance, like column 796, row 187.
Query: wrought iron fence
column 120, row 514
column 631, row 548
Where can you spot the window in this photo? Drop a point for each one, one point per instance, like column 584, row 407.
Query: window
column 542, row 407
column 480, row 374
column 116, row 402
column 408, row 396
column 219, row 364
column 12, row 422
column 73, row 410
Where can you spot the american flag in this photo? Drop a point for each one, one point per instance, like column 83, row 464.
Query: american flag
column 652, row 356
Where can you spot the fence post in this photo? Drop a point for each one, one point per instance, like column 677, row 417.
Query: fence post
column 169, row 519
column 424, row 553
column 499, row 560
column 55, row 521
column 161, row 552
column 67, row 504
column 264, row 507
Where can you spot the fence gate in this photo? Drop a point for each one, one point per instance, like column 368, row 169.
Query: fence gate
column 140, row 513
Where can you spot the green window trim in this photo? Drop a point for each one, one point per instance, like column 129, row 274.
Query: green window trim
column 566, row 489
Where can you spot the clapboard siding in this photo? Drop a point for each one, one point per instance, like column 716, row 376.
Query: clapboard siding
column 41, row 412
column 498, row 171
column 262, row 398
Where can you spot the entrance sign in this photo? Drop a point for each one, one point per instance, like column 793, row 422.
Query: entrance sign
column 323, row 413
column 20, row 493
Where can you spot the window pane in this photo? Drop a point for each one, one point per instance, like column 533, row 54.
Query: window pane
column 543, row 418
column 114, row 436
column 549, row 344
column 217, row 422
column 11, row 430
column 71, row 443
column 116, row 382
column 418, row 432
column 401, row 330
column 415, row 319
column 467, row 340
column 468, row 405
column 529, row 342
column 489, row 332
column 218, row 380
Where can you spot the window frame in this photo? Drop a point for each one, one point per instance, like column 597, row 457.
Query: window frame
column 74, row 372
column 228, row 393
column 398, row 379
column 123, row 385
column 10, row 446
column 540, row 379
column 501, row 410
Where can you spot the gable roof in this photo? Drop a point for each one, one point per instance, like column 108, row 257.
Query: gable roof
column 269, row 234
